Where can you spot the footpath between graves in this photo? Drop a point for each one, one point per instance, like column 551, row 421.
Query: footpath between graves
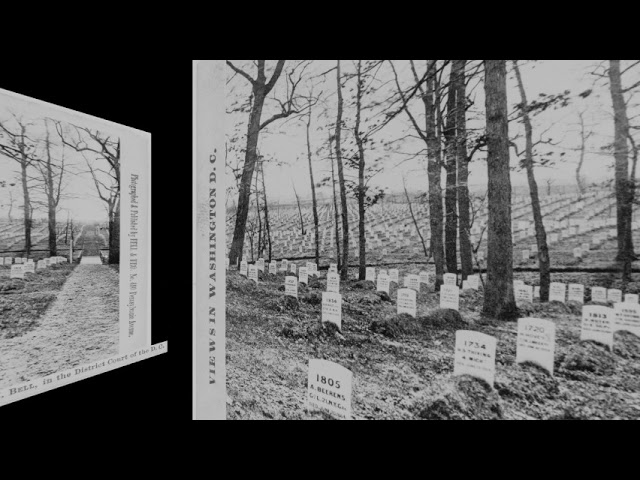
column 55, row 319
column 402, row 367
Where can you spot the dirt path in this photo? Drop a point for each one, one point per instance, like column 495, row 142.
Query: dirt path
column 80, row 327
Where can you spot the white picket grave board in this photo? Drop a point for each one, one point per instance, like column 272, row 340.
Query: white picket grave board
column 597, row 324
column 630, row 298
column 536, row 342
column 406, row 301
column 273, row 268
column 291, row 286
column 333, row 268
column 371, row 274
column 475, row 355
column 243, row 268
column 627, row 317
column 575, row 292
column 557, row 291
column 473, row 281
column 523, row 293
column 29, row 268
column 293, row 267
column 253, row 273
column 449, row 297
column 332, row 308
column 412, row 281
column 423, row 277
column 329, row 387
column 333, row 282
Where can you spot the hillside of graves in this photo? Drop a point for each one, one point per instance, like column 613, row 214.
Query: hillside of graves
column 401, row 348
column 581, row 232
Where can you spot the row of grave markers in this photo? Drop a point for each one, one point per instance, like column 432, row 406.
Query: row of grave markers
column 18, row 270
column 329, row 385
column 573, row 292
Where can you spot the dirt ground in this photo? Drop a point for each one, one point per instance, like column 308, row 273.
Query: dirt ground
column 64, row 316
column 402, row 367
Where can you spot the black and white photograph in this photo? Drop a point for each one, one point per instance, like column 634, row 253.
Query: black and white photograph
column 61, row 293
column 417, row 239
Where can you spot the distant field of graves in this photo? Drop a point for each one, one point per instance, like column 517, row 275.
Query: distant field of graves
column 581, row 231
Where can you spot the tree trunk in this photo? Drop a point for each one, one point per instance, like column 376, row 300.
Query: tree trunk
column 259, row 218
column 27, row 204
column 624, row 209
column 541, row 235
column 464, row 220
column 581, row 160
column 433, row 173
column 499, row 300
column 114, row 235
column 344, row 270
column 335, row 209
column 313, row 189
column 362, row 270
column 450, row 199
column 266, row 210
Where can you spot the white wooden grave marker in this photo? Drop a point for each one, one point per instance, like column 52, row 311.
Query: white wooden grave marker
column 614, row 295
column 291, row 286
column 597, row 324
column 630, row 298
column 473, row 281
column 449, row 278
column 332, row 308
column 576, row 292
column 394, row 274
column 536, row 342
column 273, row 266
column 253, row 273
column 371, row 274
column 406, row 301
column 243, row 267
column 423, row 277
column 627, row 317
column 449, row 297
column 17, row 271
column 557, row 291
column 333, row 282
column 599, row 294
column 412, row 281
column 523, row 293
column 329, row 388
column 383, row 283
column 475, row 355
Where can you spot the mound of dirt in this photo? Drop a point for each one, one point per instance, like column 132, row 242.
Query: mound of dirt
column 626, row 345
column 317, row 330
column 313, row 298
column 575, row 308
column 314, row 282
column 370, row 299
column 444, row 318
column 12, row 285
column 589, row 357
column 398, row 325
column 384, row 296
column 364, row 285
column 458, row 398
column 531, row 384
column 282, row 304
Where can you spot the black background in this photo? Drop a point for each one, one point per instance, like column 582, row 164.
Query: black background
column 153, row 96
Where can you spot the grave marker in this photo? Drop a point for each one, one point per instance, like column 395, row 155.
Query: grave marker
column 599, row 294
column 536, row 342
column 473, row 281
column 273, row 268
column 371, row 274
column 423, row 277
column 332, row 308
column 614, row 295
column 557, row 291
column 243, row 267
column 523, row 293
column 329, row 388
column 293, row 268
column 627, row 317
column 597, row 324
column 253, row 273
column 406, row 301
column 630, row 298
column 449, row 297
column 412, row 281
column 17, row 271
column 383, row 283
column 303, row 276
column 475, row 355
column 394, row 274
column 576, row 292
column 333, row 282
column 333, row 268
column 291, row 286
column 30, row 268
column 450, row 278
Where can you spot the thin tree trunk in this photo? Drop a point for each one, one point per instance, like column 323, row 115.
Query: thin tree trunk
column 581, row 160
column 336, row 212
column 114, row 235
column 499, row 300
column 27, row 204
column 624, row 209
column 257, row 199
column 450, row 199
column 299, row 209
column 541, row 235
column 433, row 173
column 362, row 270
column 466, row 256
column 344, row 270
column 313, row 189
column 266, row 210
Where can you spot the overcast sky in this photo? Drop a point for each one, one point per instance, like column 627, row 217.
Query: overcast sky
column 286, row 142
column 79, row 198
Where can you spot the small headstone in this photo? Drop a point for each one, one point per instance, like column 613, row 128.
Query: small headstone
column 382, row 272
column 29, row 268
column 523, row 293
column 260, row 264
column 17, row 271
column 576, row 292
column 473, row 281
column 19, row 260
column 627, row 317
column 449, row 297
column 536, row 291
column 333, row 282
column 284, row 265
column 40, row 265
column 243, row 268
column 303, row 276
column 406, row 301
column 293, row 268
column 525, row 255
column 475, row 355
column 412, row 281
column 597, row 324
column 383, row 283
column 253, row 273
column 291, row 286
column 598, row 294
column 450, row 279
column 394, row 275
column 614, row 295
column 557, row 292
column 577, row 252
column 273, row 267
column 630, row 298
column 371, row 274
column 333, row 268
column 423, row 277
column 536, row 342
column 329, row 388
column 385, row 252
column 332, row 308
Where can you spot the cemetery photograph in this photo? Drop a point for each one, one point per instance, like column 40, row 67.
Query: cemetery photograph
column 405, row 239
column 59, row 242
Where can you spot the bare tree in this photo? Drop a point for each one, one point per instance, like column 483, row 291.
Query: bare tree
column 344, row 270
column 499, row 301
